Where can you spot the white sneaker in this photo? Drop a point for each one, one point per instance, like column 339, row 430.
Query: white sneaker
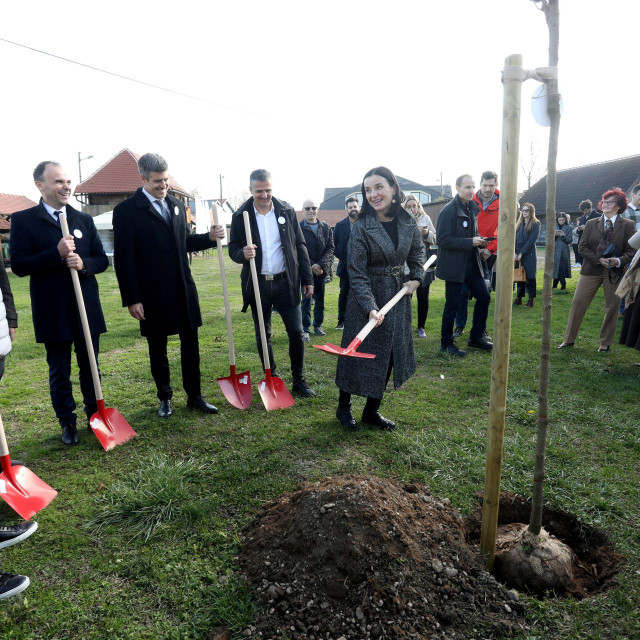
column 305, row 337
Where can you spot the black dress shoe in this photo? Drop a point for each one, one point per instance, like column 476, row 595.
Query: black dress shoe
column 452, row 350
column 378, row 420
column 200, row 404
column 69, row 434
column 483, row 343
column 458, row 332
column 346, row 418
column 165, row 409
column 302, row 389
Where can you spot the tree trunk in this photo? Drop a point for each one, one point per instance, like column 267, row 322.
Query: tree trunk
column 550, row 8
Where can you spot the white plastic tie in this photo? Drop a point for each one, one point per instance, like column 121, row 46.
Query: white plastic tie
column 541, row 74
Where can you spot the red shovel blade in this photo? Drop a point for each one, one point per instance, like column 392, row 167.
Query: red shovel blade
column 274, row 393
column 110, row 427
column 24, row 492
column 237, row 389
column 349, row 350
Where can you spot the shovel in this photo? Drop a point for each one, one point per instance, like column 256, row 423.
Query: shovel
column 20, row 488
column 272, row 389
column 351, row 348
column 108, row 424
column 235, row 387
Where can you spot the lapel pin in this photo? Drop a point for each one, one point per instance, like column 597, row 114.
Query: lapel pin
column 465, row 224
column 176, row 210
column 77, row 233
column 281, row 220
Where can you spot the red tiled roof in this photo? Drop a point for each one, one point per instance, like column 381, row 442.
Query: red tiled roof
column 119, row 175
column 10, row 204
column 5, row 225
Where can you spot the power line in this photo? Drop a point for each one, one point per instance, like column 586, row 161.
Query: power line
column 117, row 75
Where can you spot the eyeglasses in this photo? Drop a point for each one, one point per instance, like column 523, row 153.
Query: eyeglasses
column 609, row 202
column 527, row 209
column 311, row 208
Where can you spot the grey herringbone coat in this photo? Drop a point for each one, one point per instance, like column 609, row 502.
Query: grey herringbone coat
column 371, row 257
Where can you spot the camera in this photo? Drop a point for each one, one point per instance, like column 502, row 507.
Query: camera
column 611, row 251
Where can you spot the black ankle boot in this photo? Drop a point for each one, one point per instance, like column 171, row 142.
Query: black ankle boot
column 343, row 412
column 371, row 415
column 555, row 284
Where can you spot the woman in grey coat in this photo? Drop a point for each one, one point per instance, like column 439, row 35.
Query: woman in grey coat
column 562, row 255
column 383, row 238
column 527, row 231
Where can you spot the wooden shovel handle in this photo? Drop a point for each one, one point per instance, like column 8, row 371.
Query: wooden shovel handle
column 256, row 293
column 4, row 449
column 83, row 318
column 225, row 290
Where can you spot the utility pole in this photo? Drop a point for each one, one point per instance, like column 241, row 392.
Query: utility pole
column 221, row 176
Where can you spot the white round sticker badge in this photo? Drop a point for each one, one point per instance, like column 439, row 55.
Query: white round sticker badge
column 176, row 210
column 77, row 233
column 465, row 224
column 281, row 220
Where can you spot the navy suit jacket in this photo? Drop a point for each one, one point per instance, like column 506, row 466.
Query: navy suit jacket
column 34, row 252
column 341, row 235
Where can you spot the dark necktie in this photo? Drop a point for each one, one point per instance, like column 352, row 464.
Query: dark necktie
column 165, row 213
column 606, row 238
column 56, row 215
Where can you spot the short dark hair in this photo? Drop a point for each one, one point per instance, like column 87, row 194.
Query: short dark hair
column 619, row 196
column 259, row 175
column 585, row 205
column 392, row 181
column 351, row 199
column 488, row 175
column 151, row 162
column 459, row 179
column 38, row 172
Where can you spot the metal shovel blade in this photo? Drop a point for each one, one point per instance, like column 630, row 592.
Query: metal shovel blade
column 274, row 393
column 110, row 427
column 237, row 389
column 23, row 491
column 349, row 350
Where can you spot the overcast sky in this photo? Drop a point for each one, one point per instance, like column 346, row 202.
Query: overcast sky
column 317, row 93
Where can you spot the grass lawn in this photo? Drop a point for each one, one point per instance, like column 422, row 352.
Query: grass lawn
column 141, row 541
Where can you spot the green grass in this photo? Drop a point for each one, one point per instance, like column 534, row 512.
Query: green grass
column 142, row 541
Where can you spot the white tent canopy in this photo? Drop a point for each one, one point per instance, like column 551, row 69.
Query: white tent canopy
column 104, row 222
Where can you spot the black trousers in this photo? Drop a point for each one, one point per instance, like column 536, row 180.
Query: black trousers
column 189, row 360
column 275, row 293
column 342, row 299
column 60, row 388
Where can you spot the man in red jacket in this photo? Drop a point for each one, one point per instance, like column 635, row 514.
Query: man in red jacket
column 488, row 200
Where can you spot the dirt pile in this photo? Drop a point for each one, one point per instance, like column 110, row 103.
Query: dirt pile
column 356, row 557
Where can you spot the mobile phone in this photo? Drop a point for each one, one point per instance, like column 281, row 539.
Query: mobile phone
column 490, row 238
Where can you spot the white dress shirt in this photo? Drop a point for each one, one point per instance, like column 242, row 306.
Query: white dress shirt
column 272, row 254
column 51, row 211
column 159, row 205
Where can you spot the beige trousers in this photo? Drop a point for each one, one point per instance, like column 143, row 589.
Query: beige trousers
column 582, row 298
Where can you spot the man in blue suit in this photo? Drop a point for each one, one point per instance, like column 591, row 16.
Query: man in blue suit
column 39, row 250
column 341, row 235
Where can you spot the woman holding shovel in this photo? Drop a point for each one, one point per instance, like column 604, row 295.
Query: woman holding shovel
column 383, row 238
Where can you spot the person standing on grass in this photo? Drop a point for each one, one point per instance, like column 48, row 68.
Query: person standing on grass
column 459, row 263
column 151, row 242
column 562, row 255
column 318, row 237
column 633, row 210
column 341, row 235
column 283, row 266
column 587, row 213
column 527, row 229
column 39, row 250
column 383, row 239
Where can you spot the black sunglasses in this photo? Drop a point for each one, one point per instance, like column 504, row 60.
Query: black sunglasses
column 311, row 208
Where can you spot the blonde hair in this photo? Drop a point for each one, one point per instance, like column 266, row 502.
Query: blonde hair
column 411, row 197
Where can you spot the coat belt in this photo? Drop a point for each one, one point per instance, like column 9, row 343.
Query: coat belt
column 396, row 271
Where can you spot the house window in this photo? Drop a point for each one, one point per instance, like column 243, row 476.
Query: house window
column 421, row 196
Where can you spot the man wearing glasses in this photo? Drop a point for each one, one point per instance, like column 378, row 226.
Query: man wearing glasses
column 282, row 263
column 319, row 240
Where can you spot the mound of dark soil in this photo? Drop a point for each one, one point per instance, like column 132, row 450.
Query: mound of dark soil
column 595, row 562
column 362, row 557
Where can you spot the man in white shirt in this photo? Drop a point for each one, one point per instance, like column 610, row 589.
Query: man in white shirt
column 633, row 210
column 283, row 266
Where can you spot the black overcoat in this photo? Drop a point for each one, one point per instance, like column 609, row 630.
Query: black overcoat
column 526, row 246
column 562, row 254
column 296, row 258
column 34, row 252
column 455, row 232
column 319, row 247
column 150, row 259
column 376, row 272
column 341, row 235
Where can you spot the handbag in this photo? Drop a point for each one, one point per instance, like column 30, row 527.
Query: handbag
column 519, row 274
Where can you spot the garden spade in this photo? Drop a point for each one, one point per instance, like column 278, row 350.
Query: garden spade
column 108, row 424
column 351, row 348
column 272, row 389
column 236, row 387
column 20, row 488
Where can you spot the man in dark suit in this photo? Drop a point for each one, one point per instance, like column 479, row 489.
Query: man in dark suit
column 151, row 242
column 459, row 264
column 341, row 235
column 282, row 263
column 38, row 250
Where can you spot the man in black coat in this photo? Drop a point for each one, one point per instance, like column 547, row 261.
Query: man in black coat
column 282, row 263
column 319, row 240
column 151, row 242
column 341, row 235
column 38, row 250
column 459, row 263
